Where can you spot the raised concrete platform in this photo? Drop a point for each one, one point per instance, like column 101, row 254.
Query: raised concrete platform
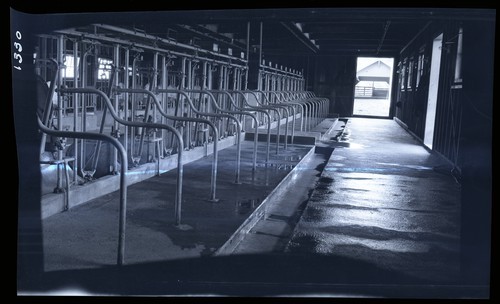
column 53, row 203
column 86, row 235
column 271, row 232
column 320, row 132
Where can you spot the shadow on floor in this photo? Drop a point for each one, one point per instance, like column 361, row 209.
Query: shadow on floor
column 247, row 275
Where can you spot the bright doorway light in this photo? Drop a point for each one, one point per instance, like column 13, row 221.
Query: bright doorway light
column 372, row 92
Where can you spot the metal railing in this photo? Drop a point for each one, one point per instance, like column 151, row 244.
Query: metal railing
column 123, row 180
column 181, row 118
column 241, row 112
column 224, row 113
column 178, row 198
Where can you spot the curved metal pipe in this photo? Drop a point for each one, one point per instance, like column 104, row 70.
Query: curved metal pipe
column 293, row 100
column 279, row 101
column 97, row 148
column 238, row 126
column 178, row 198
column 214, row 128
column 180, row 118
column 254, row 165
column 268, row 146
column 281, row 107
column 313, row 112
column 123, row 180
column 309, row 105
column 305, row 112
column 48, row 102
column 291, row 105
column 268, row 108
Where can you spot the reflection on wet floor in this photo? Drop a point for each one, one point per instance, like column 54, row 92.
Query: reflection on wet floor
column 381, row 201
column 86, row 236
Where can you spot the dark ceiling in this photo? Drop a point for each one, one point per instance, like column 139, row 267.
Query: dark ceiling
column 295, row 32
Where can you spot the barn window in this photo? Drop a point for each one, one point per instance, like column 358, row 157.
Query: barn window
column 403, row 75
column 104, row 71
column 420, row 67
column 410, row 73
column 69, row 66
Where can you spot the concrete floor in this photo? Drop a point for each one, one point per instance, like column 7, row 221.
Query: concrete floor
column 382, row 221
column 371, row 107
column 383, row 199
column 86, row 235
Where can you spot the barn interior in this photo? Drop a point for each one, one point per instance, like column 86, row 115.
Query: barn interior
column 343, row 152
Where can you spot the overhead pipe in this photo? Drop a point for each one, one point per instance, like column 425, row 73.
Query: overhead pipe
column 165, row 41
column 74, row 33
column 120, row 259
column 178, row 198
column 291, row 74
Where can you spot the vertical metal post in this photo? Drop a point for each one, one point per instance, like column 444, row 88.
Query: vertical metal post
column 235, row 78
column 75, row 109
column 163, row 101
column 260, row 43
column 221, row 81
column 83, row 82
column 125, row 106
column 116, row 126
column 60, row 57
column 247, row 55
column 154, row 86
column 133, row 106
column 190, row 85
column 181, row 101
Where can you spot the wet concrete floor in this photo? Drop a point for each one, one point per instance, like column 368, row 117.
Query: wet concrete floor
column 382, row 221
column 384, row 200
column 86, row 236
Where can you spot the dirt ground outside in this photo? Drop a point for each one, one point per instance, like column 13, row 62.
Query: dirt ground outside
column 371, row 107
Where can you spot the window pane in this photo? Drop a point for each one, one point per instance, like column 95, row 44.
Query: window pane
column 104, row 70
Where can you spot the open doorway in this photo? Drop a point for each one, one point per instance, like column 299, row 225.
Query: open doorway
column 372, row 92
column 430, row 117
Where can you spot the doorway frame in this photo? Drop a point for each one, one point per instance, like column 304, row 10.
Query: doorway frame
column 433, row 93
column 390, row 91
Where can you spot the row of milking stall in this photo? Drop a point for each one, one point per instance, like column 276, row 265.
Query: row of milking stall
column 206, row 152
column 117, row 106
